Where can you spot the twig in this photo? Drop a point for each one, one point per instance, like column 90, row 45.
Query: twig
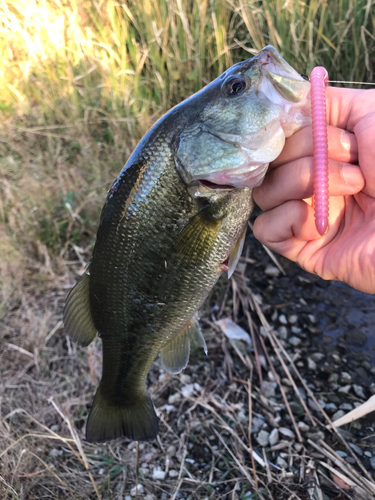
column 357, row 413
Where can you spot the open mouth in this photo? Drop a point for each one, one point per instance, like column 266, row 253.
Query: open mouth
column 212, row 185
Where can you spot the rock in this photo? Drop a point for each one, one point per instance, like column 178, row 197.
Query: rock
column 333, row 378
column 293, row 319
column 295, row 341
column 345, row 378
column 271, row 271
column 242, row 417
column 330, row 408
column 372, row 463
column 172, row 473
column 282, row 332
column 372, row 388
column 314, row 330
column 366, row 365
column 54, row 428
column 346, row 407
column 358, row 391
column 336, row 359
column 298, row 447
column 158, row 474
column 302, row 393
column 317, row 356
column 311, row 403
column 274, row 437
column 187, row 390
column 303, row 427
column 281, row 463
column 315, row 436
column 367, row 454
column 55, row 453
column 144, row 471
column 356, row 449
column 287, row 432
column 312, row 319
column 258, row 422
column 341, row 454
column 185, row 379
column 263, row 438
column 137, row 490
column 337, row 415
column 282, row 319
column 171, row 450
column 296, row 329
column 149, row 497
column 128, row 497
column 345, row 389
column 311, row 364
column 356, row 337
column 269, row 388
column 350, row 460
column 173, row 398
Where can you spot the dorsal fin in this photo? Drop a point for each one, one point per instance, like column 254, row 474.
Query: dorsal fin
column 78, row 321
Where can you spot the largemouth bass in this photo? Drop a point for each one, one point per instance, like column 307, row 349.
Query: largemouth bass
column 173, row 221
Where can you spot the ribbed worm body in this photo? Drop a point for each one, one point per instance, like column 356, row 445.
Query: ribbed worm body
column 319, row 80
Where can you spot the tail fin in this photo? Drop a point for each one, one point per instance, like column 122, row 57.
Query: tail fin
column 137, row 422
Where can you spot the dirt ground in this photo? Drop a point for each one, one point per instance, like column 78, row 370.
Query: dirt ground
column 246, row 421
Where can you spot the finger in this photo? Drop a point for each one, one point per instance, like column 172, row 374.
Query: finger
column 345, row 107
column 342, row 146
column 294, row 181
column 364, row 130
column 287, row 228
column 290, row 230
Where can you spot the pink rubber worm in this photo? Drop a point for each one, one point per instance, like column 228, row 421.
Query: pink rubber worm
column 319, row 81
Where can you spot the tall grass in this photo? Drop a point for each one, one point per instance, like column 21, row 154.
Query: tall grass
column 80, row 82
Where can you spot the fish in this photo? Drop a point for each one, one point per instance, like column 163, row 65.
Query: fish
column 173, row 221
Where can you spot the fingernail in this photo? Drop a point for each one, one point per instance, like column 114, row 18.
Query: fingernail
column 352, row 175
column 345, row 140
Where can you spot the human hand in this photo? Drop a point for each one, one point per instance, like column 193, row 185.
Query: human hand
column 346, row 252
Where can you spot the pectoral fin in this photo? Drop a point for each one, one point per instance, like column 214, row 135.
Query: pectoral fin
column 198, row 237
column 175, row 355
column 235, row 254
column 77, row 314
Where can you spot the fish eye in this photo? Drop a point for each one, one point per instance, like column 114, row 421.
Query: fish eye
column 235, row 85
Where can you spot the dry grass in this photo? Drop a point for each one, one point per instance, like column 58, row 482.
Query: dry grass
column 80, row 84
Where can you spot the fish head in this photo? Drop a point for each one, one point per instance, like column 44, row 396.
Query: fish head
column 240, row 121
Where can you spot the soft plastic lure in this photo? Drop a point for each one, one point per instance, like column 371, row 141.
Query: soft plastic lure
column 319, row 80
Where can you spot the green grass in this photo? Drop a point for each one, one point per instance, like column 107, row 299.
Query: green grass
column 81, row 83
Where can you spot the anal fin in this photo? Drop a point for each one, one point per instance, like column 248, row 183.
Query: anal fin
column 236, row 252
column 175, row 355
column 78, row 321
column 195, row 333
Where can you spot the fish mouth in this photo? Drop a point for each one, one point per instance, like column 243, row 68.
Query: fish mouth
column 212, row 185
column 289, row 84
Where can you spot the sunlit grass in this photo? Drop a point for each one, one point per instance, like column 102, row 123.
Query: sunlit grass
column 80, row 82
